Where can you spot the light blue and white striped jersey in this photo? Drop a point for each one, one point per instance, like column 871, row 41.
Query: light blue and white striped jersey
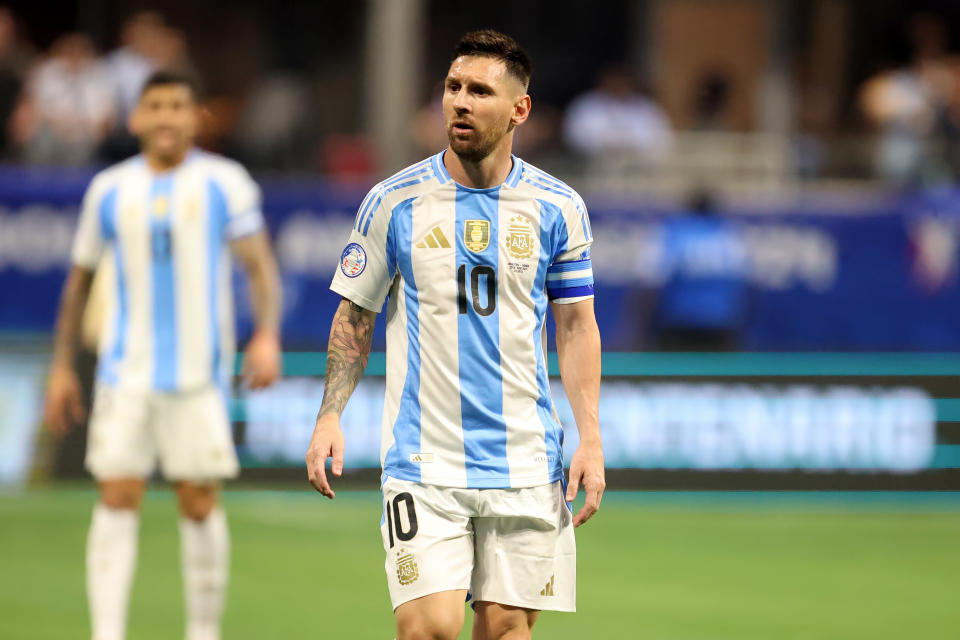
column 469, row 273
column 171, row 323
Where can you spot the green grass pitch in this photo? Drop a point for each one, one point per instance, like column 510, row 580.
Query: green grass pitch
column 651, row 565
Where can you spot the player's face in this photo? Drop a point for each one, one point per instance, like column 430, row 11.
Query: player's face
column 482, row 103
column 166, row 120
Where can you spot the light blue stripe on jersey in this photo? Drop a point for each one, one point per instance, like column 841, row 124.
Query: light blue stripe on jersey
column 164, row 299
column 481, row 379
column 550, row 218
column 406, row 429
column 216, row 227
column 108, row 228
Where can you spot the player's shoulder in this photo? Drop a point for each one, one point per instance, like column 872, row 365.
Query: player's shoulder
column 220, row 168
column 110, row 177
column 419, row 177
column 410, row 183
column 548, row 187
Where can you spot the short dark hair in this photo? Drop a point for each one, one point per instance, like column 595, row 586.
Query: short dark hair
column 493, row 44
column 164, row 77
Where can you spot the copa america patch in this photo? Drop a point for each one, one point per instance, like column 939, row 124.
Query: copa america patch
column 353, row 260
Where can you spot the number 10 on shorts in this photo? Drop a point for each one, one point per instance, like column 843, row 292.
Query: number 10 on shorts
column 394, row 521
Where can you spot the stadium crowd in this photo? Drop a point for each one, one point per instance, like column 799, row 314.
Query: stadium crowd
column 67, row 105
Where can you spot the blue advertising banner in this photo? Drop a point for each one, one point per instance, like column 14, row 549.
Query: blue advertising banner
column 881, row 277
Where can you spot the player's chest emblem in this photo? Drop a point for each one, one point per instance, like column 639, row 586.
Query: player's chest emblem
column 160, row 207
column 476, row 235
column 520, row 242
column 407, row 569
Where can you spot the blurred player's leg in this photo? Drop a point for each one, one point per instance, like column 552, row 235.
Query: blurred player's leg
column 112, row 556
column 205, row 557
column 120, row 455
column 193, row 436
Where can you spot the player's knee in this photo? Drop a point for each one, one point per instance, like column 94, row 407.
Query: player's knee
column 435, row 625
column 196, row 502
column 121, row 494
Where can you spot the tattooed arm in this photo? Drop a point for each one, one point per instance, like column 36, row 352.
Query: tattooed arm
column 347, row 354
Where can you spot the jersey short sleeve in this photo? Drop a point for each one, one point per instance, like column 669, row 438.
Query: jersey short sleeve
column 570, row 275
column 90, row 238
column 367, row 263
column 243, row 202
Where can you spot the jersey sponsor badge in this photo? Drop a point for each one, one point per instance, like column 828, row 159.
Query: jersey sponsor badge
column 476, row 235
column 353, row 260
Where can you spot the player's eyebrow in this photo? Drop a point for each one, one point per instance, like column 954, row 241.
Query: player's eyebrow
column 469, row 83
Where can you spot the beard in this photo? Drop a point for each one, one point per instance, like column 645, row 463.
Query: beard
column 479, row 145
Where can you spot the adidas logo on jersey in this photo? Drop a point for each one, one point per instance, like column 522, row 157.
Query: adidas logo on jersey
column 548, row 589
column 434, row 240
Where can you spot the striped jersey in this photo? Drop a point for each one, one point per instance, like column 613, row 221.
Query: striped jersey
column 170, row 325
column 468, row 273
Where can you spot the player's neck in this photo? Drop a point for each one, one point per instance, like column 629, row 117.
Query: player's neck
column 489, row 172
column 162, row 164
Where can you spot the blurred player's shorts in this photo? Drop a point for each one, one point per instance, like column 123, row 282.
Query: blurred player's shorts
column 187, row 432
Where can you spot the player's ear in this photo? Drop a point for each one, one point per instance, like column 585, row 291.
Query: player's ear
column 521, row 109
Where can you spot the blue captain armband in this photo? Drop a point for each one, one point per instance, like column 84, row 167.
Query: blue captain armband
column 570, row 281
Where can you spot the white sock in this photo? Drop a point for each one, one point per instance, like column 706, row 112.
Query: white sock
column 111, row 560
column 205, row 558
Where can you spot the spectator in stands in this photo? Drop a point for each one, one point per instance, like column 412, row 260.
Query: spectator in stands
column 67, row 107
column 911, row 104
column 15, row 59
column 702, row 304
column 147, row 44
column 617, row 118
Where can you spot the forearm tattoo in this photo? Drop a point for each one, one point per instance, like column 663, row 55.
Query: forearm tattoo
column 347, row 355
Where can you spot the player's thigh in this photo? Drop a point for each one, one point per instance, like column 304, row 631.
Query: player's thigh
column 437, row 615
column 196, row 500
column 119, row 444
column 122, row 493
column 493, row 621
column 525, row 550
column 428, row 539
column 193, row 435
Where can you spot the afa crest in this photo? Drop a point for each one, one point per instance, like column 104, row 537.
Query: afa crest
column 407, row 570
column 476, row 235
column 521, row 243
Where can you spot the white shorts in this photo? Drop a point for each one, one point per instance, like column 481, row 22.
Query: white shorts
column 188, row 431
column 509, row 546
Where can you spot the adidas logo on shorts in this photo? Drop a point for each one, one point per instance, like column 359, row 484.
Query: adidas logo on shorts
column 548, row 589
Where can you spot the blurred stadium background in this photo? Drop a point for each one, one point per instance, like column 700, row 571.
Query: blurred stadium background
column 773, row 186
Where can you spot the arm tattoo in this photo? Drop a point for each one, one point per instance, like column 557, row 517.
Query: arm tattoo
column 347, row 354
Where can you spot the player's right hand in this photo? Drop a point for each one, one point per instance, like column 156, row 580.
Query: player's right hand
column 63, row 406
column 327, row 442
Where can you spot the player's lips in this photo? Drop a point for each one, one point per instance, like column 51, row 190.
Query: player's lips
column 460, row 126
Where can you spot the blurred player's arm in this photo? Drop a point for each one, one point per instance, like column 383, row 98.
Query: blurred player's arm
column 64, row 405
column 261, row 363
column 578, row 350
column 347, row 354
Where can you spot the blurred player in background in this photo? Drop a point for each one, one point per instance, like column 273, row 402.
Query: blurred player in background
column 470, row 245
column 165, row 218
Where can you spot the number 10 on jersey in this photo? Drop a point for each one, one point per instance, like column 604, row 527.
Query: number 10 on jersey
column 480, row 272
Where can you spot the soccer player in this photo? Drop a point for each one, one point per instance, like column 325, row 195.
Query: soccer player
column 166, row 219
column 470, row 245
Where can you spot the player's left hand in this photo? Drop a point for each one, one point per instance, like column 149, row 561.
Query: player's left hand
column 586, row 468
column 261, row 362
